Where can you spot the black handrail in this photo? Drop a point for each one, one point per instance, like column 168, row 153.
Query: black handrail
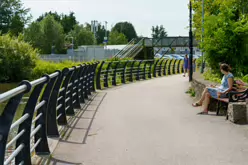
column 54, row 97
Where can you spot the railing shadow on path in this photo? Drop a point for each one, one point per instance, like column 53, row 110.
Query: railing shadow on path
column 91, row 106
column 54, row 161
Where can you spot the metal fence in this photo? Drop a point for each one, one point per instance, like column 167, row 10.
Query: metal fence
column 54, row 97
column 87, row 54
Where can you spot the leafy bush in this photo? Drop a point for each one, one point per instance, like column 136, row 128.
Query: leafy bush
column 209, row 75
column 17, row 59
column 45, row 67
column 245, row 78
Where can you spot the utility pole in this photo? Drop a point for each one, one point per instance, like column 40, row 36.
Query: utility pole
column 190, row 43
column 203, row 13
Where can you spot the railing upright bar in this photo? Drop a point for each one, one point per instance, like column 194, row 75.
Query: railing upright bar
column 164, row 70
column 52, row 127
column 61, row 112
column 115, row 73
column 75, row 90
column 80, row 85
column 150, row 69
column 169, row 68
column 42, row 147
column 123, row 75
column 155, row 68
column 160, row 68
column 174, row 67
column 88, row 79
column 144, row 70
column 98, row 75
column 24, row 155
column 106, row 76
column 85, row 82
column 138, row 71
column 94, row 76
column 69, row 83
column 6, row 118
column 131, row 71
column 178, row 66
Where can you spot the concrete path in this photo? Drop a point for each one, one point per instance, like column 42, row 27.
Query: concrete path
column 151, row 123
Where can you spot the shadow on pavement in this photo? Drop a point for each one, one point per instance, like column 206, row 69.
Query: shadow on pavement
column 60, row 162
column 90, row 107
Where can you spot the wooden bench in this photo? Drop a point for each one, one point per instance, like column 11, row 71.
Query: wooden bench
column 240, row 94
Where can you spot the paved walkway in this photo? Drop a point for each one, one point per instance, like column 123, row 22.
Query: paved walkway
column 151, row 123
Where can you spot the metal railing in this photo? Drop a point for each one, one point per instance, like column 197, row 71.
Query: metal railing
column 134, row 49
column 54, row 97
column 113, row 73
column 127, row 47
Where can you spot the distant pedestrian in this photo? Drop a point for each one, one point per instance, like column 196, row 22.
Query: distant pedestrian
column 185, row 65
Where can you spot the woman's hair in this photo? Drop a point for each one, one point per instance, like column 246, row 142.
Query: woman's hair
column 225, row 67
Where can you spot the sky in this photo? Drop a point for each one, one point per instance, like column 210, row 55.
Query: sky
column 143, row 14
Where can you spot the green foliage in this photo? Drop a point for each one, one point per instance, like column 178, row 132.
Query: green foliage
column 45, row 67
column 82, row 36
column 226, row 33
column 127, row 29
column 100, row 34
column 67, row 21
column 191, row 92
column 209, row 75
column 158, row 32
column 120, row 59
column 43, row 35
column 245, row 78
column 116, row 38
column 13, row 16
column 17, row 59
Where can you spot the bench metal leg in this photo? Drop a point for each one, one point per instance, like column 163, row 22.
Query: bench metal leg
column 227, row 112
column 218, row 108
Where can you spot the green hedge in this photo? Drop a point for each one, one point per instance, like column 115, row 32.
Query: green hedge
column 208, row 75
column 17, row 59
column 46, row 67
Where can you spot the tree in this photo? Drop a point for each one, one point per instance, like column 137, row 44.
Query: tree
column 116, row 38
column 13, row 16
column 101, row 34
column 225, row 35
column 55, row 15
column 158, row 32
column 82, row 36
column 127, row 29
column 34, row 35
column 45, row 34
column 67, row 21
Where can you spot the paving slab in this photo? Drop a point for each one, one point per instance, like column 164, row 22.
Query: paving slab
column 151, row 123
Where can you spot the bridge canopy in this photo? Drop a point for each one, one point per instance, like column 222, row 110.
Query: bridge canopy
column 168, row 42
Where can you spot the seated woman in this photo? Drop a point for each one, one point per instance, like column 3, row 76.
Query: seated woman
column 216, row 92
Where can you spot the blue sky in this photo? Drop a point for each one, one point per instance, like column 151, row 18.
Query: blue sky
column 143, row 14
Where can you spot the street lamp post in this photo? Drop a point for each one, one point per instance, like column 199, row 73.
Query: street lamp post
column 190, row 43
column 202, row 68
column 106, row 37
